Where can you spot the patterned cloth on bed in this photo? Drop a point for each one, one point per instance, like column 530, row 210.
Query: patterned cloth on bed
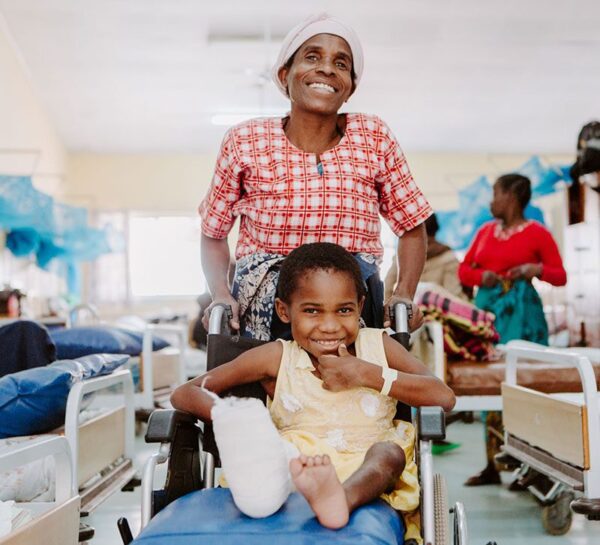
column 469, row 332
column 30, row 482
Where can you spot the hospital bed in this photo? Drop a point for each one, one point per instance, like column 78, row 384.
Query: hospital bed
column 477, row 385
column 55, row 522
column 195, row 512
column 556, row 434
column 158, row 370
column 100, row 437
column 98, row 414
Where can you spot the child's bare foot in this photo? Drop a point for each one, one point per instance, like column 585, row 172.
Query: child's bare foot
column 315, row 479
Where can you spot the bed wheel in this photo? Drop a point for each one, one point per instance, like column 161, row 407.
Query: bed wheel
column 86, row 532
column 557, row 517
column 440, row 509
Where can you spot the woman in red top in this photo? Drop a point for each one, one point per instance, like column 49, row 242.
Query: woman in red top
column 505, row 256
column 503, row 259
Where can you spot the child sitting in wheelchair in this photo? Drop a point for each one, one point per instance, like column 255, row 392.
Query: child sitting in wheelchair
column 333, row 392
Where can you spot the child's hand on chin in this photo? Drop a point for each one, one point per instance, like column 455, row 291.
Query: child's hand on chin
column 340, row 372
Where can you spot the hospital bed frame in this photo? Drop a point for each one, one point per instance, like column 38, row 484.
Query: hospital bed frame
column 159, row 370
column 56, row 522
column 557, row 435
column 182, row 445
column 102, row 446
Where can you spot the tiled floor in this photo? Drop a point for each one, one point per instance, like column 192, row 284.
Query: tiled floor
column 493, row 513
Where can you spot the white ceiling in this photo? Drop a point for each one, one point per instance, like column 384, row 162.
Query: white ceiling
column 447, row 75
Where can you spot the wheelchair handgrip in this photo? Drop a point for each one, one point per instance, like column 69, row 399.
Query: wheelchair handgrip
column 218, row 321
column 400, row 313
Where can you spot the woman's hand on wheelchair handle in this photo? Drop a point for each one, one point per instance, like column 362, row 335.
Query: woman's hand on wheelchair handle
column 415, row 321
column 227, row 299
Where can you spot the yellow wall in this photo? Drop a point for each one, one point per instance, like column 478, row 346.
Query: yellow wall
column 29, row 144
column 177, row 182
column 152, row 182
column 441, row 175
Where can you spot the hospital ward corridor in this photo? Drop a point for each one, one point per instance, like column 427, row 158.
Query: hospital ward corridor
column 284, row 273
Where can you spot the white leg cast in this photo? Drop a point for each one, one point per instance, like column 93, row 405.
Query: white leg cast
column 253, row 456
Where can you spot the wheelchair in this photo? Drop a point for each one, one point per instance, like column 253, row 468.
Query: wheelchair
column 190, row 510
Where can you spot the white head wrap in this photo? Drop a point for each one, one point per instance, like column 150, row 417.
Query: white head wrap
column 318, row 24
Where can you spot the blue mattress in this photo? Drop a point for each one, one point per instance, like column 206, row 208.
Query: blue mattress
column 210, row 517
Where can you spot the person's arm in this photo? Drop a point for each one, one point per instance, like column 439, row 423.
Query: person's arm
column 412, row 248
column 416, row 385
column 405, row 209
column 471, row 274
column 217, row 215
column 254, row 365
column 450, row 280
column 550, row 267
column 553, row 270
column 215, row 264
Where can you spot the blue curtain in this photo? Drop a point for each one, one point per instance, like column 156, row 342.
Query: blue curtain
column 38, row 225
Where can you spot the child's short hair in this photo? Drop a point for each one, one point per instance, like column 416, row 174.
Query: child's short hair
column 317, row 256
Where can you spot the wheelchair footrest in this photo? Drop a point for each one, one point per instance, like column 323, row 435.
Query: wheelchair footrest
column 211, row 517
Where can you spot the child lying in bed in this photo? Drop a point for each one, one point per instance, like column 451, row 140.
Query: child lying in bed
column 333, row 392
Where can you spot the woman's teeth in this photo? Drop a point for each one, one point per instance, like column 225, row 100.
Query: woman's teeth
column 323, row 86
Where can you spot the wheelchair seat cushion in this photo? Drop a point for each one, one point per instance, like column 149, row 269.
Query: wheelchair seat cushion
column 210, row 517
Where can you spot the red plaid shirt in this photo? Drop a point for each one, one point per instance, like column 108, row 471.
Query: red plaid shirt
column 284, row 201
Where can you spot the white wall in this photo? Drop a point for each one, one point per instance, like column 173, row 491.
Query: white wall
column 29, row 144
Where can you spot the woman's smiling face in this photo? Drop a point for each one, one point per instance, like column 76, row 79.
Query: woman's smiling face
column 323, row 311
column 320, row 76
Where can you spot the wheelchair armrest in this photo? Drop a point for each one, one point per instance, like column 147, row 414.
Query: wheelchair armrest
column 163, row 425
column 181, row 430
column 431, row 423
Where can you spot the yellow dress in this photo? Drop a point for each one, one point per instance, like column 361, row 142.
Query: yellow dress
column 345, row 424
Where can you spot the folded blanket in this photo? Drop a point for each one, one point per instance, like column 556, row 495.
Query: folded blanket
column 469, row 332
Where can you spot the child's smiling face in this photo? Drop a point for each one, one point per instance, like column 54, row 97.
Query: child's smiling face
column 323, row 311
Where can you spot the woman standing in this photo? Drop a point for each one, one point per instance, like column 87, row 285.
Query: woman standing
column 314, row 176
column 503, row 259
column 505, row 256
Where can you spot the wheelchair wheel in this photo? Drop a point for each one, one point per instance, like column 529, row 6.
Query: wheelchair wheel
column 557, row 518
column 440, row 509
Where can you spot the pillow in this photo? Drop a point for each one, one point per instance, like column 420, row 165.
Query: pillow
column 35, row 400
column 76, row 342
column 92, row 366
column 158, row 343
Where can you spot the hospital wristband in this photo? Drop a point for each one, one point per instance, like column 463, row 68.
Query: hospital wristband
column 389, row 376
